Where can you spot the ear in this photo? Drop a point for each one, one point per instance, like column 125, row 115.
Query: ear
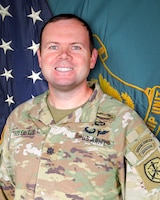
column 39, row 57
column 93, row 58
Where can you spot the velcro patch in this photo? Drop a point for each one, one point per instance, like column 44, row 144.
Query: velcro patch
column 143, row 146
column 24, row 132
column 149, row 171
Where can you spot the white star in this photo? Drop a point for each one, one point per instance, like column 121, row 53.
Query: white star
column 35, row 76
column 9, row 100
column 4, row 12
column 7, row 74
column 6, row 46
column 34, row 47
column 35, row 15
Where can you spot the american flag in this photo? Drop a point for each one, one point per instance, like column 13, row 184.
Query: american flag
column 20, row 76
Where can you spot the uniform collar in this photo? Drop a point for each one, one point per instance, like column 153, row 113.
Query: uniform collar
column 41, row 112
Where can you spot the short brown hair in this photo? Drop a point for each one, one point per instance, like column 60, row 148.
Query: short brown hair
column 70, row 16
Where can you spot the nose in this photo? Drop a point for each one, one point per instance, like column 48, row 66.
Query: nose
column 64, row 54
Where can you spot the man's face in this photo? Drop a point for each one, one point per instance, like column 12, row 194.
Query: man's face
column 65, row 57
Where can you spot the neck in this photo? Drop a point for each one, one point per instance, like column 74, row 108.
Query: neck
column 69, row 99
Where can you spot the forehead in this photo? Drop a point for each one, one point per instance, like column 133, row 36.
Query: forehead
column 63, row 22
column 65, row 26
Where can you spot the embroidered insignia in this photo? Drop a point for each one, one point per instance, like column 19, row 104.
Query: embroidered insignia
column 90, row 130
column 50, row 151
column 152, row 170
column 144, row 146
column 105, row 116
column 102, row 132
column 24, row 132
column 95, row 141
column 99, row 123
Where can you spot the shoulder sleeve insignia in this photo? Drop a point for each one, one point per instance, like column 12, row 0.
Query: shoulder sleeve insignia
column 149, row 171
column 152, row 170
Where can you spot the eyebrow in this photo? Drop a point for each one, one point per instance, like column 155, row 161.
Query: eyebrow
column 58, row 43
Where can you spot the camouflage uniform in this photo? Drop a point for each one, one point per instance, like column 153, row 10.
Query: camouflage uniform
column 85, row 156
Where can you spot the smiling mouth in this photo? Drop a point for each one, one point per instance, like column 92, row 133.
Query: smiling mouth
column 63, row 69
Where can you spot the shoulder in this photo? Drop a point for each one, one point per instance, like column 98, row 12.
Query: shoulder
column 27, row 106
column 110, row 104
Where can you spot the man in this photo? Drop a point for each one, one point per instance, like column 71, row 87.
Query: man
column 74, row 142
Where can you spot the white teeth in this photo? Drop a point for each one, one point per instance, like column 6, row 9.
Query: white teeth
column 63, row 69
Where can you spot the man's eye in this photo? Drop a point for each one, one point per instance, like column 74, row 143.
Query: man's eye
column 76, row 47
column 53, row 47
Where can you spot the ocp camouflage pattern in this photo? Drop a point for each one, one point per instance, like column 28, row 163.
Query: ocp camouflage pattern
column 85, row 156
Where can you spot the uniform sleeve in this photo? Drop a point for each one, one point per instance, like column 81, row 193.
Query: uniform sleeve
column 142, row 163
column 135, row 188
column 6, row 186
